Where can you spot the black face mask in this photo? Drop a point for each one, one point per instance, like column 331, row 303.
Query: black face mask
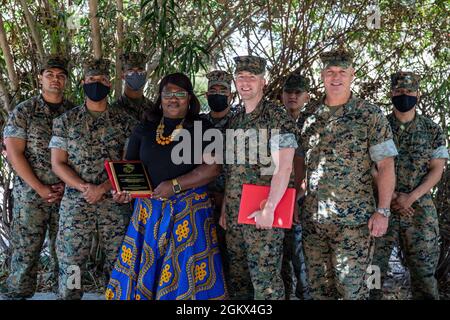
column 96, row 91
column 217, row 102
column 404, row 103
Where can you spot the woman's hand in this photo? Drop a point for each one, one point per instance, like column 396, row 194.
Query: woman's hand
column 163, row 191
column 121, row 197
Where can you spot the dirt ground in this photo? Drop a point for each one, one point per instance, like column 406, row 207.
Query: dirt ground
column 396, row 286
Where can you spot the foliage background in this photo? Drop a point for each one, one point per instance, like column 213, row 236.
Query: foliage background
column 197, row 36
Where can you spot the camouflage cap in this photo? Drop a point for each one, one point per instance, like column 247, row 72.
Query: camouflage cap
column 253, row 64
column 95, row 67
column 406, row 80
column 55, row 61
column 132, row 60
column 296, row 82
column 218, row 77
column 340, row 57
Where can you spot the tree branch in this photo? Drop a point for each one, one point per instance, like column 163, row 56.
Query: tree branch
column 119, row 49
column 12, row 74
column 33, row 29
column 95, row 29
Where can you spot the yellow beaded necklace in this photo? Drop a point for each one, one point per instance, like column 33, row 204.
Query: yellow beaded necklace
column 160, row 139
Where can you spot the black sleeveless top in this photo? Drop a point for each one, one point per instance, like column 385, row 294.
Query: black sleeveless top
column 161, row 163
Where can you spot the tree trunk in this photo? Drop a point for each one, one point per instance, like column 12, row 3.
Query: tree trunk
column 12, row 74
column 119, row 48
column 5, row 96
column 95, row 29
column 33, row 29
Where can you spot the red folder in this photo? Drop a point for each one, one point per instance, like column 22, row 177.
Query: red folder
column 254, row 198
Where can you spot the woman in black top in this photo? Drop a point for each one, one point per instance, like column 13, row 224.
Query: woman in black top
column 170, row 249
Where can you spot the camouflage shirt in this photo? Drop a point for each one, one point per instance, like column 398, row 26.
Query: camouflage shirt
column 267, row 116
column 134, row 107
column 340, row 149
column 218, row 123
column 418, row 142
column 89, row 142
column 32, row 121
column 218, row 185
column 306, row 111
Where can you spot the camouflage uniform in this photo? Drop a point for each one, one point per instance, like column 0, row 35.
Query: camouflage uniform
column 308, row 110
column 293, row 269
column 418, row 142
column 89, row 141
column 221, row 78
column 216, row 188
column 255, row 255
column 31, row 121
column 218, row 185
column 340, row 148
column 224, row 79
column 135, row 107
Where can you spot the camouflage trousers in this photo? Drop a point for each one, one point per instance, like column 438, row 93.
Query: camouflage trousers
column 32, row 219
column 255, row 262
column 417, row 238
column 217, row 206
column 337, row 258
column 293, row 269
column 79, row 221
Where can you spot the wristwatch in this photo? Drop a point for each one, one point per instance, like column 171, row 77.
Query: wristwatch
column 176, row 186
column 384, row 211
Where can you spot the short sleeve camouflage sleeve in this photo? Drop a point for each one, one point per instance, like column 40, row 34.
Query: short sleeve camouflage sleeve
column 440, row 150
column 16, row 126
column 381, row 143
column 287, row 135
column 59, row 136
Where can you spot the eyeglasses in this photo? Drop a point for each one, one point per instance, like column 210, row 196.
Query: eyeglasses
column 177, row 94
column 223, row 92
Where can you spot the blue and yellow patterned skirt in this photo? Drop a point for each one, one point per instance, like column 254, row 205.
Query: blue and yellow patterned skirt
column 169, row 252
